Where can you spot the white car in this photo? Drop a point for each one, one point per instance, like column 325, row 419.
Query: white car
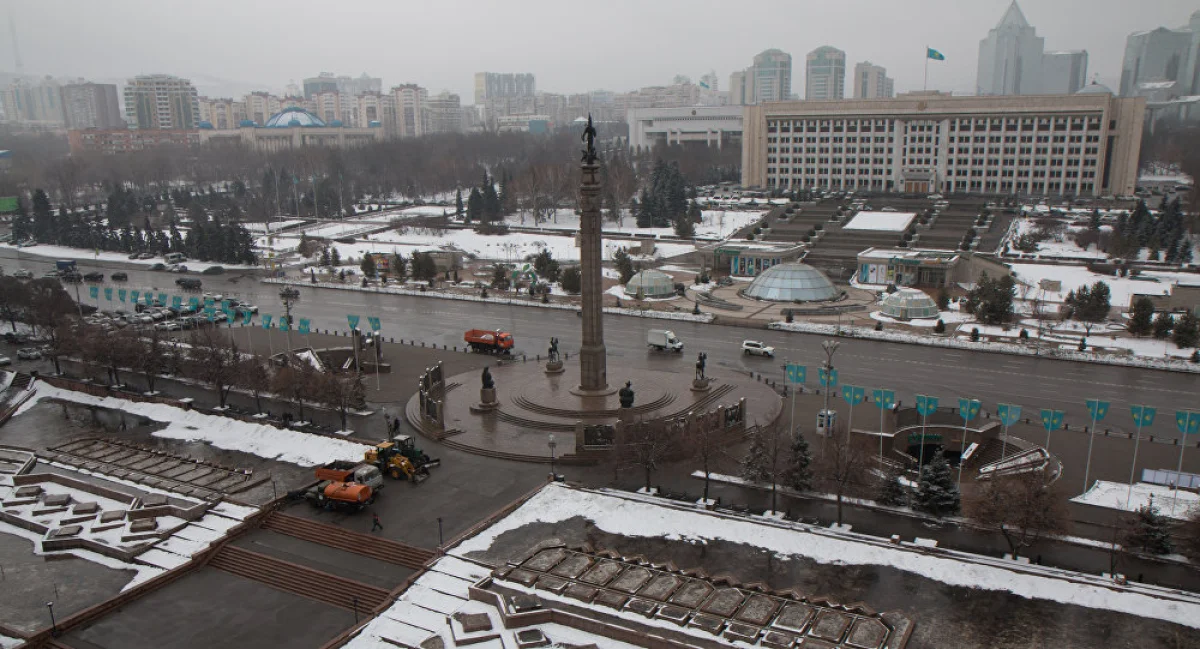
column 758, row 348
column 4, row 360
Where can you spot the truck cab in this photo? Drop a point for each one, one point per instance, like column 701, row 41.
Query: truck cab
column 663, row 340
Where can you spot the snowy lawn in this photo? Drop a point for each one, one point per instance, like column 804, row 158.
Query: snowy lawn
column 514, row 246
column 264, row 441
column 1122, row 288
column 947, row 317
column 85, row 254
column 1115, row 495
column 632, row 516
column 880, row 221
column 715, row 224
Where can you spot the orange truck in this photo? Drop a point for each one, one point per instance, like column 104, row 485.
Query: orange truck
column 488, row 341
column 345, row 485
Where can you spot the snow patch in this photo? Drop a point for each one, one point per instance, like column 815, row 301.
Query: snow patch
column 1116, row 495
column 880, row 221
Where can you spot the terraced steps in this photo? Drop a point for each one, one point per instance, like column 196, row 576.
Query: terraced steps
column 333, row 536
column 298, row 580
column 648, row 406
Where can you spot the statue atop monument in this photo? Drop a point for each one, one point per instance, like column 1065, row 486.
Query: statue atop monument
column 589, row 136
column 553, row 353
column 701, row 363
column 486, row 378
column 626, row 395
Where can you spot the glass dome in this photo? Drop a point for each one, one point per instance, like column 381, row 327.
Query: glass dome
column 909, row 303
column 653, row 284
column 289, row 117
column 792, row 282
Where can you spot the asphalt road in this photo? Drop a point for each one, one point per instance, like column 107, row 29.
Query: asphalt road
column 1033, row 383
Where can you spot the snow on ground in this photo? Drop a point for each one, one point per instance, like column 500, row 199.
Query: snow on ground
column 84, row 254
column 143, row 573
column 948, row 317
column 880, row 221
column 8, row 643
column 264, row 441
column 513, row 246
column 1115, row 495
column 1122, row 288
column 619, row 291
column 1059, row 245
column 628, row 515
column 715, row 224
column 270, row 226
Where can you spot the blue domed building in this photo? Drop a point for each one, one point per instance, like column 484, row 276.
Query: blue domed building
column 293, row 128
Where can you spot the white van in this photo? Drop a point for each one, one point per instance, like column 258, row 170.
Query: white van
column 174, row 258
column 663, row 340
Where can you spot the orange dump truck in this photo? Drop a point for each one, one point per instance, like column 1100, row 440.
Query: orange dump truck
column 345, row 485
column 487, row 341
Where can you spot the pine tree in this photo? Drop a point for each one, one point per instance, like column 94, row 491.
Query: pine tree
column 1141, row 317
column 43, row 226
column 399, row 266
column 326, row 262
column 22, row 228
column 368, row 265
column 891, row 492
column 936, row 491
column 1187, row 331
column 474, row 206
column 491, row 201
column 1163, row 324
column 458, row 204
column 685, row 227
column 1149, row 531
column 624, row 265
column 755, row 463
column 335, row 257
column 798, row 474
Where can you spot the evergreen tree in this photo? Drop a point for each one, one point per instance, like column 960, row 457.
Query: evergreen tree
column 1187, row 331
column 368, row 265
column 624, row 265
column 22, row 228
column 643, row 211
column 326, row 262
column 335, row 257
column 474, row 206
column 991, row 301
column 400, row 266
column 176, row 239
column 891, row 491
column 1141, row 317
column 491, row 201
column 755, row 464
column 571, row 280
column 546, row 266
column 685, row 227
column 458, row 204
column 1149, row 531
column 1163, row 324
column 936, row 491
column 43, row 225
column 798, row 474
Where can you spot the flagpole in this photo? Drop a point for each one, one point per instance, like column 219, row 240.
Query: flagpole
column 925, row 85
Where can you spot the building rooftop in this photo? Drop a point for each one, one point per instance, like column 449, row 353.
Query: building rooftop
column 293, row 116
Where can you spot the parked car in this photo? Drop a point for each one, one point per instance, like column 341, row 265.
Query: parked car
column 94, row 277
column 757, row 348
column 50, row 274
column 146, row 255
column 212, row 270
column 178, row 268
column 29, row 354
column 158, row 267
column 188, row 283
column 23, row 273
column 119, row 277
column 136, row 255
column 71, row 276
column 167, row 326
column 249, row 307
column 4, row 360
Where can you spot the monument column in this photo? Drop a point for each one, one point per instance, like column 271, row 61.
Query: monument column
column 593, row 372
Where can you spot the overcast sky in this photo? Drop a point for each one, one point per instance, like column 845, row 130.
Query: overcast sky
column 230, row 46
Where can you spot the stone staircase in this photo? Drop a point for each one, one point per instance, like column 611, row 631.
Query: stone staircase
column 298, row 580
column 332, row 536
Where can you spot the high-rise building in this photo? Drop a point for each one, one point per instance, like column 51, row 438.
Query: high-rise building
column 772, row 72
column 376, row 109
column 825, row 73
column 161, row 101
column 39, row 103
column 497, row 85
column 409, row 99
column 91, row 105
column 1085, row 144
column 328, row 106
column 710, row 82
column 1010, row 58
column 872, row 82
column 221, row 114
column 741, row 87
column 1161, row 55
column 445, row 114
column 260, row 106
column 352, row 86
column 324, row 82
column 1064, row 73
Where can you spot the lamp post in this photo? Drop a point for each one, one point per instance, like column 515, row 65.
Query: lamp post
column 1097, row 409
column 968, row 409
column 552, row 444
column 829, row 376
column 1188, row 423
column 440, row 542
column 1008, row 414
column 1142, row 416
column 53, row 624
column 925, row 405
column 884, row 400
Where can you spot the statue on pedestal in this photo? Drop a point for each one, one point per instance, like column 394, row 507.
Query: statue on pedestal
column 701, row 362
column 589, row 136
column 488, row 383
column 626, row 395
column 553, row 353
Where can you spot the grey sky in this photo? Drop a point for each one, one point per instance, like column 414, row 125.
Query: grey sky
column 231, row 46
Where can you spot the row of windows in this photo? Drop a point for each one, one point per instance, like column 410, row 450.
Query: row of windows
column 853, row 139
column 825, row 149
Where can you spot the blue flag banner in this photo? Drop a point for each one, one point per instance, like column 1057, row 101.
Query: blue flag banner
column 853, row 394
column 210, row 313
column 162, row 298
column 208, row 302
column 1143, row 415
column 121, row 294
column 1008, row 414
column 108, row 294
column 352, row 320
column 134, row 295
column 94, row 291
column 926, row 405
column 266, row 321
column 374, row 322
column 247, row 314
column 796, row 373
column 883, row 399
column 1187, row 422
column 1097, row 409
column 1052, row 420
column 195, row 302
column 147, row 297
column 968, row 409
column 176, row 301
column 284, row 325
column 931, row 53
column 303, row 326
column 828, row 378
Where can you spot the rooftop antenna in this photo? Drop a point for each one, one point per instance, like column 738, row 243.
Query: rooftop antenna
column 12, row 30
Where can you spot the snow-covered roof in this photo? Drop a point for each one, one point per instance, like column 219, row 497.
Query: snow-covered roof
column 880, row 221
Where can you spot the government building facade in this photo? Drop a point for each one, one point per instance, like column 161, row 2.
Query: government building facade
column 1085, row 144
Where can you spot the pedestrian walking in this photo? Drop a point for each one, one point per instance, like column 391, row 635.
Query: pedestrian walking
column 375, row 524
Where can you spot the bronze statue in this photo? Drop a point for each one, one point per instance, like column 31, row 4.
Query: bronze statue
column 626, row 395
column 589, row 136
column 488, row 383
column 553, row 353
column 700, row 364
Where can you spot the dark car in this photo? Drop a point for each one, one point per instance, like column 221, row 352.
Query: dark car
column 94, row 277
column 119, row 277
column 213, row 270
column 158, row 266
column 188, row 283
column 71, row 276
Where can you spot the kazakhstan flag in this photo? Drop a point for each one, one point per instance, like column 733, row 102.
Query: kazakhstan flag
column 931, row 53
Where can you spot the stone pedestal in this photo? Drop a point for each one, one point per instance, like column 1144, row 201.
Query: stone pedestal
column 700, row 385
column 554, row 367
column 487, row 399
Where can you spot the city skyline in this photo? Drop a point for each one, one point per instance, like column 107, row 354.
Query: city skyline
column 696, row 45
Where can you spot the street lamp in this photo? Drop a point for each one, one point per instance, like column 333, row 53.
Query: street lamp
column 830, row 347
column 552, row 444
column 53, row 624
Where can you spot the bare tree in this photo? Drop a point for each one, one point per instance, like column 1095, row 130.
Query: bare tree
column 151, row 357
column 297, row 382
column 255, row 377
column 112, row 352
column 213, row 360
column 1188, row 535
column 1022, row 507
column 341, row 392
column 705, row 442
column 766, row 459
column 647, row 444
column 843, row 465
